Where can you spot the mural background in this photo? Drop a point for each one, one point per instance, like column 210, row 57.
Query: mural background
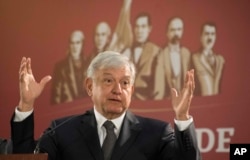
column 40, row 30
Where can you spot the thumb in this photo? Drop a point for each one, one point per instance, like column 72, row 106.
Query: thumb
column 45, row 80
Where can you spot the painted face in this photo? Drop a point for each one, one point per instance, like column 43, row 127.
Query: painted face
column 102, row 34
column 208, row 37
column 76, row 45
column 111, row 91
column 142, row 29
column 175, row 31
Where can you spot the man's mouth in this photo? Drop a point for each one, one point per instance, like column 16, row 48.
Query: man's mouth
column 114, row 100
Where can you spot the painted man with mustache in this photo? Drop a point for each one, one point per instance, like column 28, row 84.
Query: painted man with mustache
column 207, row 63
column 173, row 62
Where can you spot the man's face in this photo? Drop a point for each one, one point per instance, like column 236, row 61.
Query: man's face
column 175, row 31
column 102, row 34
column 208, row 37
column 111, row 91
column 75, row 46
column 142, row 29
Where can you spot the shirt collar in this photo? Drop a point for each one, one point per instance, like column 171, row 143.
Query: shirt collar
column 100, row 119
column 174, row 47
column 207, row 52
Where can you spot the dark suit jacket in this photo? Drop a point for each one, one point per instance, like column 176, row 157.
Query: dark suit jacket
column 140, row 139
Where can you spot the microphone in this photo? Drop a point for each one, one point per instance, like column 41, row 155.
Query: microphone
column 51, row 131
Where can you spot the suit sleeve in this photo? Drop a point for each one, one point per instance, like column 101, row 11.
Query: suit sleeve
column 22, row 135
column 182, row 145
column 187, row 143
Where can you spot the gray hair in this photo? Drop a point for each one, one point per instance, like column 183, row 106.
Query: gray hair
column 110, row 59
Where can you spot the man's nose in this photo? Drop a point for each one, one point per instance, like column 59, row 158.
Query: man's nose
column 117, row 89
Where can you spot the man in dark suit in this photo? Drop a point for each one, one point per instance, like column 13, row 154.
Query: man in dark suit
column 109, row 83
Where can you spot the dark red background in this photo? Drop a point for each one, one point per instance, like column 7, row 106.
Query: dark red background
column 40, row 30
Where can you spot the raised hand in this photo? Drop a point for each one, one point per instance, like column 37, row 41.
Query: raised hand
column 181, row 102
column 28, row 87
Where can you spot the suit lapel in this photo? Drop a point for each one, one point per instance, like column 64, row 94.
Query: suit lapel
column 68, row 74
column 128, row 134
column 184, row 63
column 89, row 132
column 167, row 66
column 206, row 65
column 146, row 54
column 219, row 61
column 141, row 59
column 72, row 77
column 218, row 66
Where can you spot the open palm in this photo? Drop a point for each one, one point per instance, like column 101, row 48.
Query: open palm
column 181, row 102
column 29, row 88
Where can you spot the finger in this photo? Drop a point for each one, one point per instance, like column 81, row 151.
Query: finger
column 174, row 93
column 192, row 79
column 29, row 70
column 22, row 69
column 190, row 82
column 21, row 76
column 45, row 80
column 186, row 80
column 22, row 64
column 186, row 84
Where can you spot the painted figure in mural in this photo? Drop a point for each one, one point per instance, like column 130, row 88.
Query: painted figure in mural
column 110, row 84
column 173, row 62
column 207, row 63
column 68, row 74
column 102, row 37
column 143, row 53
column 121, row 38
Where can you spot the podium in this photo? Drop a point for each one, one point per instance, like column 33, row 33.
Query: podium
column 41, row 156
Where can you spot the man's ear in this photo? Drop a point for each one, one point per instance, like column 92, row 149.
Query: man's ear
column 88, row 83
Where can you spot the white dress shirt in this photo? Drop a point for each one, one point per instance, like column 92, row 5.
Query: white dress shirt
column 137, row 54
column 175, row 58
column 100, row 119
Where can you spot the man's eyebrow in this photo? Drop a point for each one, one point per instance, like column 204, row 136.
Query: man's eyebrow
column 108, row 74
column 127, row 77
